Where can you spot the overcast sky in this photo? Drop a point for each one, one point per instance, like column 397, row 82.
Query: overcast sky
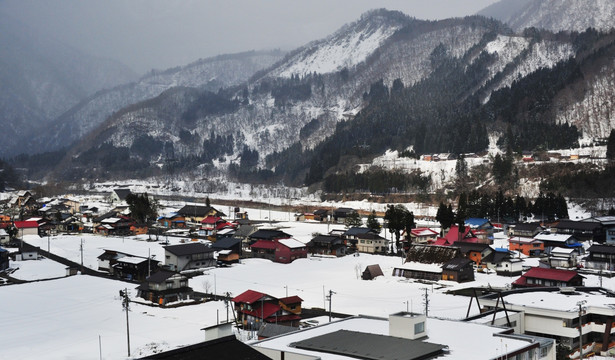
column 146, row 34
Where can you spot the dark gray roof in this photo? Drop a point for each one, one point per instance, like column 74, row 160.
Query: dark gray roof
column 226, row 348
column 226, row 242
column 527, row 226
column 269, row 235
column 467, row 246
column 198, row 211
column 122, row 193
column 160, row 276
column 326, row 239
column 371, row 346
column 269, row 330
column 577, row 225
column 602, row 249
column 355, row 230
column 188, row 249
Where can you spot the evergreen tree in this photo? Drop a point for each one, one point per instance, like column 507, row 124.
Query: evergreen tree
column 353, row 219
column 373, row 223
column 141, row 208
column 398, row 218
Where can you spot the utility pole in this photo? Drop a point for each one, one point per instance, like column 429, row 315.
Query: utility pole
column 329, row 297
column 126, row 306
column 81, row 250
column 426, row 301
column 580, row 304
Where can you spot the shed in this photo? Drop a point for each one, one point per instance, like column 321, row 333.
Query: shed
column 371, row 272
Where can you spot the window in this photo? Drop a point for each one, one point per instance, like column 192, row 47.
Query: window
column 543, row 351
column 419, row 328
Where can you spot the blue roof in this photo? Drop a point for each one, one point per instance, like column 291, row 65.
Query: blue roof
column 476, row 222
column 501, row 250
column 3, row 250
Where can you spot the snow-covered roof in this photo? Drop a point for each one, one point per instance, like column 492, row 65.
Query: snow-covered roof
column 111, row 220
column 291, row 243
column 132, row 260
column 553, row 237
column 563, row 250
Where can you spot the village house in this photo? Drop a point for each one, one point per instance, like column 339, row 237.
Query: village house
column 327, row 245
column 503, row 263
column 421, row 235
column 459, row 270
column 108, row 258
column 425, row 262
column 27, row 227
column 134, row 267
column 118, row 196
column 115, row 226
column 193, row 255
column 552, row 241
column 282, row 251
column 164, row 287
column 454, row 235
column 582, row 230
column 475, row 252
column 481, row 228
column 525, row 230
column 340, row 214
column 351, row 236
column 601, row 257
column 608, row 227
column 196, row 213
column 254, row 308
column 371, row 243
column 172, row 220
column 563, row 258
column 211, row 225
column 527, row 246
column 229, row 250
column 536, row 277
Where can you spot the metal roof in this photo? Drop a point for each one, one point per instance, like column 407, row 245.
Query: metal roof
column 371, row 346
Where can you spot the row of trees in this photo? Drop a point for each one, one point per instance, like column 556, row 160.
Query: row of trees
column 500, row 208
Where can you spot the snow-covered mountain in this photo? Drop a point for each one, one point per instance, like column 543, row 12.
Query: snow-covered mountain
column 554, row 15
column 42, row 78
column 307, row 96
column 210, row 74
column 381, row 45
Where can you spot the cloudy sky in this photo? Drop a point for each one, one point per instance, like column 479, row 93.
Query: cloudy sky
column 146, row 34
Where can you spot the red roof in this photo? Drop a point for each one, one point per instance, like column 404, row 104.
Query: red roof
column 291, row 300
column 264, row 311
column 248, row 297
column 264, row 244
column 453, row 235
column 211, row 220
column 550, row 274
column 26, row 224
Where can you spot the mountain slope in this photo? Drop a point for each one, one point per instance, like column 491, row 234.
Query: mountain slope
column 554, row 15
column 211, row 74
column 278, row 108
column 41, row 78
